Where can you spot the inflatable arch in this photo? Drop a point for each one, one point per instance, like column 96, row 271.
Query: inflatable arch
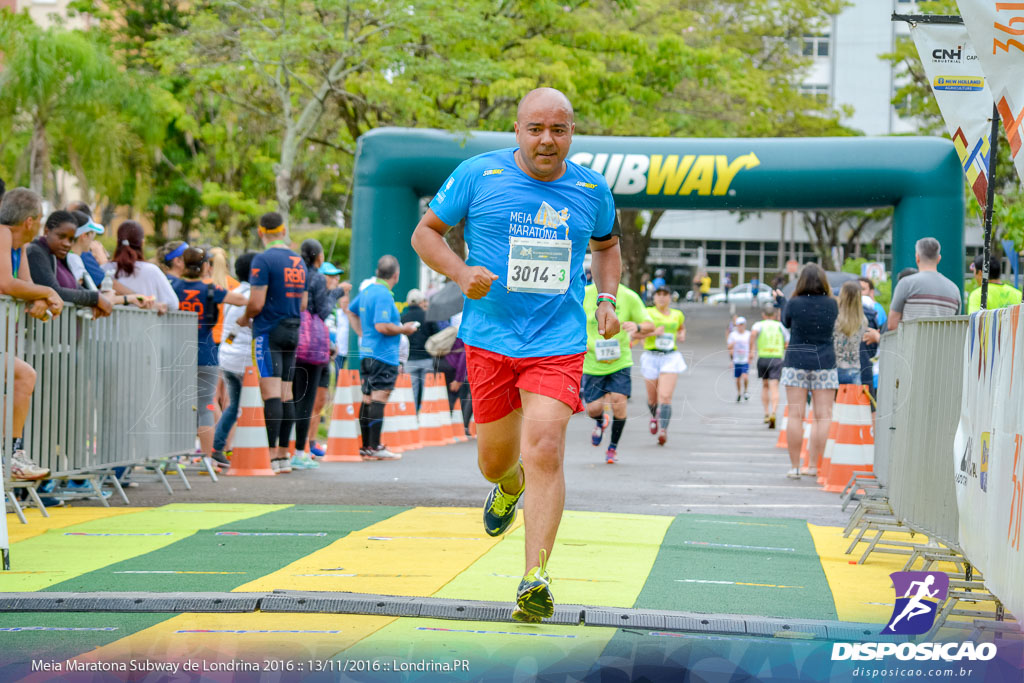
column 921, row 177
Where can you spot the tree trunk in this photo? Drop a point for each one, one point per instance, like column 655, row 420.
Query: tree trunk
column 38, row 158
column 634, row 247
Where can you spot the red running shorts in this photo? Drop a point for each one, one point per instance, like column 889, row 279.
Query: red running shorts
column 495, row 381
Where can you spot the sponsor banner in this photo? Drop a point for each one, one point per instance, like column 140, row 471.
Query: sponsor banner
column 988, row 452
column 995, row 30
column 955, row 75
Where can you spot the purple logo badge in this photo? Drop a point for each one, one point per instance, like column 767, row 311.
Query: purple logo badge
column 918, row 595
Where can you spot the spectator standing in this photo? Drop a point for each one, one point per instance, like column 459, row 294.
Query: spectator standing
column 726, row 285
column 233, row 355
column 1000, row 294
column 202, row 299
column 81, row 261
column 850, row 327
column 169, row 259
column 768, row 338
column 277, row 297
column 130, row 269
column 705, row 287
column 47, row 256
column 21, row 212
column 928, row 293
column 94, row 257
column 337, row 326
column 309, row 388
column 755, row 287
column 420, row 362
column 374, row 318
column 809, row 365
column 867, row 294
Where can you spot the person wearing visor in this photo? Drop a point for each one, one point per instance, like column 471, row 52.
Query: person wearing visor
column 82, row 262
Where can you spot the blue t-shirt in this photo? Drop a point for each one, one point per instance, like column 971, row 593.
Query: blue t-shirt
column 283, row 273
column 499, row 202
column 93, row 267
column 201, row 299
column 376, row 304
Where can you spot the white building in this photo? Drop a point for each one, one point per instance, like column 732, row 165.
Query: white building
column 848, row 72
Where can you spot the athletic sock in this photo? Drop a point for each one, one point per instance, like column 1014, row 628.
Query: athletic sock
column 376, row 422
column 653, row 407
column 364, row 424
column 665, row 411
column 600, row 420
column 17, row 443
column 618, row 424
column 272, row 413
column 287, row 420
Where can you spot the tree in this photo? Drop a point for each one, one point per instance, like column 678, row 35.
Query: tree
column 835, row 231
column 64, row 91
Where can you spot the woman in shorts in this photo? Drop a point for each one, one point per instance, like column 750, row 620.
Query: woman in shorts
column 662, row 362
column 809, row 365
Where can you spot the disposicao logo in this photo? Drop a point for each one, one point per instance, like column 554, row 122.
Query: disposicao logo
column 918, row 595
column 959, row 83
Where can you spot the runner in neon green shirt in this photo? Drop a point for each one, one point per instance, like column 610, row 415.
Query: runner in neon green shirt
column 999, row 295
column 606, row 367
column 769, row 339
column 662, row 363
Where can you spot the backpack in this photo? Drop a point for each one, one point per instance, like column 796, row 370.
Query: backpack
column 314, row 341
column 440, row 343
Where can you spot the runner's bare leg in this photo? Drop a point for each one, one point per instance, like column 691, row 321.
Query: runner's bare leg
column 543, row 446
column 498, row 451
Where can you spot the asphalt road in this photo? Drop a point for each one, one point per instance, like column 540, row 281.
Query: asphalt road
column 720, row 459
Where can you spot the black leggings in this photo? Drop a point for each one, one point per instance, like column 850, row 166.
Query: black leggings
column 304, row 388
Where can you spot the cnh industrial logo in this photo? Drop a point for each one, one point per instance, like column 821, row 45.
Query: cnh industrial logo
column 918, row 596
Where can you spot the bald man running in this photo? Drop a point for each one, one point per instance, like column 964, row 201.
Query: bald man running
column 530, row 216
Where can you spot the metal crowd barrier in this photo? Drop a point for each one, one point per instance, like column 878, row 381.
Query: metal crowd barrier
column 117, row 391
column 925, row 382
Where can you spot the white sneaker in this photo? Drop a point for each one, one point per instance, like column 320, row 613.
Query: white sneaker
column 284, row 465
column 794, row 473
column 24, row 469
column 275, row 465
column 382, row 453
column 809, row 472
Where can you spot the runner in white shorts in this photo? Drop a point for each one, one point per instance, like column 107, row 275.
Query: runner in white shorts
column 662, row 362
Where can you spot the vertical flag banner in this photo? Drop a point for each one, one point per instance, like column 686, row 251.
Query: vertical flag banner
column 996, row 29
column 957, row 81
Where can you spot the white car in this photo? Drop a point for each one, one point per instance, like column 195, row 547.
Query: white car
column 741, row 296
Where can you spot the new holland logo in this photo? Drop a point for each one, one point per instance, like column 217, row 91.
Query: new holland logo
column 549, row 218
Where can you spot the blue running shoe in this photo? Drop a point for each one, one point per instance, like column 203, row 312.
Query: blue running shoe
column 598, row 433
column 500, row 510
column 534, row 600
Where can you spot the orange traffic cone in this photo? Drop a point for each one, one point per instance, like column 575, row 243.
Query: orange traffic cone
column 435, row 418
column 854, row 450
column 343, row 439
column 251, row 455
column 403, row 424
column 781, row 442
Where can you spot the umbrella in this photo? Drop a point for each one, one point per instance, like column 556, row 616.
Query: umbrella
column 835, row 281
column 445, row 303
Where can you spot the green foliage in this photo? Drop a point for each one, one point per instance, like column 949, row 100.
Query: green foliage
column 335, row 241
column 70, row 106
column 852, row 265
column 883, row 293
